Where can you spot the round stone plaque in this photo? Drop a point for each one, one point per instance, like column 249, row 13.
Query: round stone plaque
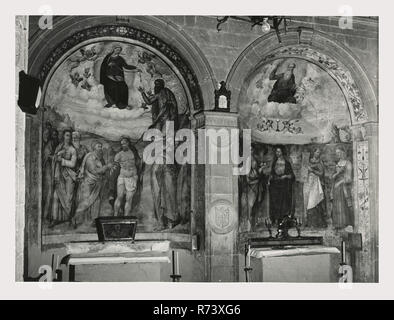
column 222, row 216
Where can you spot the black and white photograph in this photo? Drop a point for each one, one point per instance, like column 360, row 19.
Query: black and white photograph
column 198, row 148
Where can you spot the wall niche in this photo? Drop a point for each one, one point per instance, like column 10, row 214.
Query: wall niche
column 296, row 109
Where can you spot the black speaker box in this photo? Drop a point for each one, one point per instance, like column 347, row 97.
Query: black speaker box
column 28, row 90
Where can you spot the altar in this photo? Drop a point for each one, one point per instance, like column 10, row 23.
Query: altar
column 314, row 263
column 117, row 261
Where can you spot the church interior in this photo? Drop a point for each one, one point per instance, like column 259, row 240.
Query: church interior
column 301, row 94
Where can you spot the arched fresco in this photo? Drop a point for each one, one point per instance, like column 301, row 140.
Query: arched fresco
column 304, row 109
column 294, row 107
column 103, row 92
column 76, row 89
column 349, row 73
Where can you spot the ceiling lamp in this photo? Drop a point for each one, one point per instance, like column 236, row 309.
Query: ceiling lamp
column 265, row 27
column 266, row 22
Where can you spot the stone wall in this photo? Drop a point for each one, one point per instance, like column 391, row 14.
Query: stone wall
column 21, row 33
column 222, row 48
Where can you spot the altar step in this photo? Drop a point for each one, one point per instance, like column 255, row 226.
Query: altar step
column 176, row 239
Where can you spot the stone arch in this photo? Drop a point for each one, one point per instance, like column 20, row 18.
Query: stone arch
column 152, row 31
column 49, row 69
column 48, row 48
column 361, row 97
column 317, row 48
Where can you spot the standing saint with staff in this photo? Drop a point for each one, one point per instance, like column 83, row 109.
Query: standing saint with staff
column 164, row 176
column 254, row 188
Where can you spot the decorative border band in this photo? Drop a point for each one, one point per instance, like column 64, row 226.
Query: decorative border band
column 340, row 73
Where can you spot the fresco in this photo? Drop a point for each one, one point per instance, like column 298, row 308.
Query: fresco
column 293, row 101
column 301, row 157
column 315, row 186
column 99, row 102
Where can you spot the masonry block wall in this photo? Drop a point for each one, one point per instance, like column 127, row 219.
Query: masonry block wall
column 223, row 48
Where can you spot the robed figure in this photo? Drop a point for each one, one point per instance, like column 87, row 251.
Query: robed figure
column 81, row 150
column 341, row 193
column 112, row 78
column 164, row 106
column 281, row 193
column 47, row 179
column 314, row 192
column 164, row 176
column 254, row 189
column 91, row 176
column 184, row 193
column 64, row 177
column 284, row 87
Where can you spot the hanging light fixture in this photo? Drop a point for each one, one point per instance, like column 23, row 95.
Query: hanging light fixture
column 265, row 22
column 265, row 27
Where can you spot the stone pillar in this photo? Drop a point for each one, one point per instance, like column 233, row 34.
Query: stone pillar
column 221, row 206
column 367, row 199
column 21, row 47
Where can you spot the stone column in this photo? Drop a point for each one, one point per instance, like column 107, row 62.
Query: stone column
column 21, row 47
column 221, row 205
column 366, row 179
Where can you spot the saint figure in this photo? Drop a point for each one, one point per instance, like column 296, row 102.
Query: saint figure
column 164, row 176
column 91, row 176
column 342, row 207
column 284, row 88
column 126, row 172
column 164, row 105
column 82, row 151
column 314, row 192
column 112, row 78
column 281, row 187
column 254, row 188
column 47, row 154
column 64, row 177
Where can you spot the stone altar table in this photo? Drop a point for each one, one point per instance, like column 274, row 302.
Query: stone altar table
column 313, row 263
column 106, row 261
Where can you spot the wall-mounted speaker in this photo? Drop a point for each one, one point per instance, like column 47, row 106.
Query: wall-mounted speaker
column 28, row 91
